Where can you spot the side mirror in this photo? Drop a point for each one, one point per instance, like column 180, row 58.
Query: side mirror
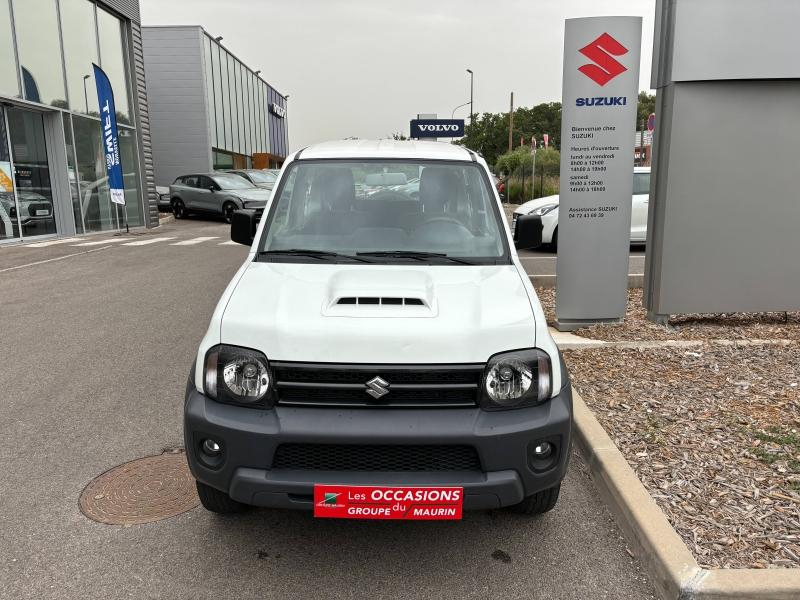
column 528, row 233
column 243, row 226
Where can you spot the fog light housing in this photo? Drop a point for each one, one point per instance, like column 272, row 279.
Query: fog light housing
column 211, row 448
column 540, row 449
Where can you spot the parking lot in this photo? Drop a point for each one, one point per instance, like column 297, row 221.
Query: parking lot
column 98, row 337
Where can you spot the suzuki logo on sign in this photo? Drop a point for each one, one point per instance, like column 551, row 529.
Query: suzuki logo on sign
column 424, row 128
column 601, row 52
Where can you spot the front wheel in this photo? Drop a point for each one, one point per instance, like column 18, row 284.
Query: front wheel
column 227, row 211
column 538, row 503
column 178, row 208
column 219, row 502
column 554, row 241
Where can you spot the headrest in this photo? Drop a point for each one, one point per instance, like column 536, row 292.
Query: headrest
column 335, row 189
column 438, row 186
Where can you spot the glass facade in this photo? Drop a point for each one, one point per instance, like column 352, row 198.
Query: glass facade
column 239, row 115
column 47, row 48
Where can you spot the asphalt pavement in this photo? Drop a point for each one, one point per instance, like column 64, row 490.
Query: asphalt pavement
column 95, row 345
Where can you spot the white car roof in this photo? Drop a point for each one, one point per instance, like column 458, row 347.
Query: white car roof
column 386, row 149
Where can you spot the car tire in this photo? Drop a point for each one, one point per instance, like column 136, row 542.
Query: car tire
column 539, row 503
column 554, row 242
column 178, row 208
column 227, row 211
column 218, row 502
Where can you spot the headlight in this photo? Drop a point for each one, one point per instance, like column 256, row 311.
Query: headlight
column 237, row 375
column 543, row 210
column 515, row 379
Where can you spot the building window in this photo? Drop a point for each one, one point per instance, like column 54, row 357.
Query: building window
column 9, row 76
column 80, row 51
column 112, row 59
column 39, row 46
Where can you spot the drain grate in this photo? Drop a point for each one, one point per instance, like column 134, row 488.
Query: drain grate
column 141, row 491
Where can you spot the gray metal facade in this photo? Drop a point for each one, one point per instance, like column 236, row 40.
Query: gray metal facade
column 206, row 104
column 723, row 205
column 178, row 111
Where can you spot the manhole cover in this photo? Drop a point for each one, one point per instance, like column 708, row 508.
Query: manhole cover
column 141, row 491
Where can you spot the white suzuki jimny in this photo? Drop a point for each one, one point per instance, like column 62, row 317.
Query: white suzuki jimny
column 381, row 352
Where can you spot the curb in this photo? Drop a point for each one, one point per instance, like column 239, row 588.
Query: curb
column 672, row 567
column 165, row 219
column 635, row 280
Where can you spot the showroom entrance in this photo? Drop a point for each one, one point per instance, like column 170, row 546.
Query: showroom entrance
column 26, row 192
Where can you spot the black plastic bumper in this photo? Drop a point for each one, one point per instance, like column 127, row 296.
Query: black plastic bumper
column 503, row 441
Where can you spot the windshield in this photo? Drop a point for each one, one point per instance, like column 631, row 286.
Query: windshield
column 262, row 176
column 398, row 207
column 232, row 182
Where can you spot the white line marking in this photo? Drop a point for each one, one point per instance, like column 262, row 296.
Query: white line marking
column 41, row 262
column 50, row 243
column 101, row 242
column 229, row 243
column 150, row 241
column 194, row 241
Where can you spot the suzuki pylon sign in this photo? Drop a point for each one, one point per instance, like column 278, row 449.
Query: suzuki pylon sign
column 600, row 91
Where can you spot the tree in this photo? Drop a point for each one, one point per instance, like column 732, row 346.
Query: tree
column 488, row 135
column 646, row 107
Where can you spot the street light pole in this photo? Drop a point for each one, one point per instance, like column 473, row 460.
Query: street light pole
column 85, row 94
column 471, row 89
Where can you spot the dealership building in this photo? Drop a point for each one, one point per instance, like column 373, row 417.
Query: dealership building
column 208, row 110
column 52, row 167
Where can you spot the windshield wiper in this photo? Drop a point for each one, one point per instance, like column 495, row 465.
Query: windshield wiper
column 415, row 255
column 320, row 254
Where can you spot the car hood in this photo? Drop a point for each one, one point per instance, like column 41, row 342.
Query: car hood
column 530, row 205
column 252, row 194
column 291, row 312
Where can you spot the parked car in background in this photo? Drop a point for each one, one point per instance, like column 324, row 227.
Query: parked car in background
column 547, row 209
column 262, row 178
column 215, row 193
column 163, row 198
column 33, row 207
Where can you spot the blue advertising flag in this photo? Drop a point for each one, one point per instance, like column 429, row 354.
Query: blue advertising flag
column 108, row 122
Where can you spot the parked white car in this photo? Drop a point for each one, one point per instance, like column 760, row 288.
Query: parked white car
column 381, row 356
column 547, row 209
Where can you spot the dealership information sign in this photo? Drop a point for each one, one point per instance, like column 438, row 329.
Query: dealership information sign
column 436, row 128
column 387, row 502
column 600, row 91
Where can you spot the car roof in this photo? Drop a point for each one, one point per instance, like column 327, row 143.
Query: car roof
column 386, row 149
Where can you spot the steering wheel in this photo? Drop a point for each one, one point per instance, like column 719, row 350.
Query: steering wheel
column 442, row 220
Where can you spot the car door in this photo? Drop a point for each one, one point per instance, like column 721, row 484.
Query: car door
column 209, row 200
column 641, row 199
column 188, row 191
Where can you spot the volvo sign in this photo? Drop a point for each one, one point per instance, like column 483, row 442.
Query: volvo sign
column 436, row 128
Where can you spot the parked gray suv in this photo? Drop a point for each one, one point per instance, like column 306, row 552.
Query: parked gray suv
column 263, row 178
column 215, row 193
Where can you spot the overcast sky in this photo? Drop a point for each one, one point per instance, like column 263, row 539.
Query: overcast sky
column 364, row 68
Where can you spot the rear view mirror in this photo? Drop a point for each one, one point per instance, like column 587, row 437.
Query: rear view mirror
column 528, row 233
column 243, row 226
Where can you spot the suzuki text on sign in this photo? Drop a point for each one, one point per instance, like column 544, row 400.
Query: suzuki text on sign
column 600, row 92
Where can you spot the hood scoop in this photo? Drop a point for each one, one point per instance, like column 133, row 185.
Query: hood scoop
column 376, row 300
column 364, row 292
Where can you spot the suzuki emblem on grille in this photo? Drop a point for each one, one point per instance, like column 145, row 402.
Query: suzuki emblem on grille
column 377, row 387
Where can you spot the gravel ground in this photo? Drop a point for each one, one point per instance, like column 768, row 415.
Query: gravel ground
column 636, row 327
column 713, row 435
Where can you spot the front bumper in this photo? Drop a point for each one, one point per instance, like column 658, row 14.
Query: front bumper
column 502, row 440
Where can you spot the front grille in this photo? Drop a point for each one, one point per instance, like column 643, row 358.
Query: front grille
column 340, row 457
column 417, row 386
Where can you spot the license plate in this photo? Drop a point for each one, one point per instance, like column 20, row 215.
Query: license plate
column 387, row 502
column 42, row 213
